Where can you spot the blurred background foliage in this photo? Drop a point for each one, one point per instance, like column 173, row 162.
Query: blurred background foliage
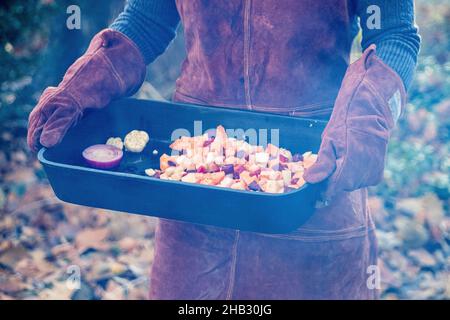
column 410, row 206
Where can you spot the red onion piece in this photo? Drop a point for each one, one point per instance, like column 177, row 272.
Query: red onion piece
column 297, row 157
column 228, row 168
column 171, row 163
column 254, row 186
column 102, row 156
column 283, row 158
column 240, row 154
column 208, row 142
column 202, row 169
column 239, row 169
column 256, row 172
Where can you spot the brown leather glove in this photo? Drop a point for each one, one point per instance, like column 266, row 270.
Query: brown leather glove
column 354, row 143
column 112, row 67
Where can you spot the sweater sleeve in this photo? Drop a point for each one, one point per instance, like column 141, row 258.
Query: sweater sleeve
column 151, row 24
column 396, row 35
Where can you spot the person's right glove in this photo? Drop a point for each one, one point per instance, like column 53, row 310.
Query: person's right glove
column 354, row 143
column 112, row 67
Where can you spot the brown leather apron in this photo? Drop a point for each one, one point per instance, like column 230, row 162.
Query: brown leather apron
column 287, row 57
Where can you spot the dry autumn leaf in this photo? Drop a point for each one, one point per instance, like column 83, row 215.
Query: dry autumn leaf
column 92, row 238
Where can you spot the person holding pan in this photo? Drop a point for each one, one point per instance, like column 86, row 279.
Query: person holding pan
column 281, row 56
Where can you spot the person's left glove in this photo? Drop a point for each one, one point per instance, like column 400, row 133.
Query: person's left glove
column 112, row 67
column 354, row 142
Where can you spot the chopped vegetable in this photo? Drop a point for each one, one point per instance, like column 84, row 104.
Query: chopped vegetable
column 254, row 186
column 227, row 162
column 262, row 158
column 191, row 177
column 286, row 176
column 116, row 142
column 136, row 140
column 226, row 182
column 240, row 185
column 297, row 157
column 228, row 168
column 150, row 172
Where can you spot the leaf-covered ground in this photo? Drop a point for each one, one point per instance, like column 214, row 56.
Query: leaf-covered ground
column 45, row 244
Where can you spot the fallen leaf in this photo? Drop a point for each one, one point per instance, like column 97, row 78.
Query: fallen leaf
column 422, row 257
column 410, row 206
column 434, row 209
column 59, row 291
column 13, row 255
column 91, row 238
column 127, row 244
column 12, row 285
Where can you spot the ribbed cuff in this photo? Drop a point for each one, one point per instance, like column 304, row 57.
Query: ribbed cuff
column 151, row 24
column 134, row 36
column 397, row 56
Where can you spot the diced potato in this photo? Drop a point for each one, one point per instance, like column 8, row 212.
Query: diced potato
column 219, row 160
column 238, row 186
column 274, row 163
column 297, row 175
column 299, row 182
column 230, row 152
column 164, row 176
column 210, row 157
column 307, row 154
column 212, row 178
column 169, row 171
column 183, row 143
column 226, row 182
column 191, row 177
column 296, row 166
column 217, row 177
column 150, row 172
column 286, row 153
column 274, row 186
column 180, row 160
column 221, row 134
column 197, row 160
column 272, row 150
column 231, row 160
column 251, row 158
column 262, row 181
column 254, row 169
column 246, row 177
column 286, row 176
column 164, row 162
column 262, row 158
column 309, row 160
column 275, row 175
column 266, row 173
column 212, row 167
column 176, row 176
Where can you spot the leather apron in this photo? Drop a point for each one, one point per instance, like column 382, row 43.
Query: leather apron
column 279, row 56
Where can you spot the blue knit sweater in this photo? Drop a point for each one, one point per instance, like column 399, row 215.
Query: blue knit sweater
column 151, row 24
